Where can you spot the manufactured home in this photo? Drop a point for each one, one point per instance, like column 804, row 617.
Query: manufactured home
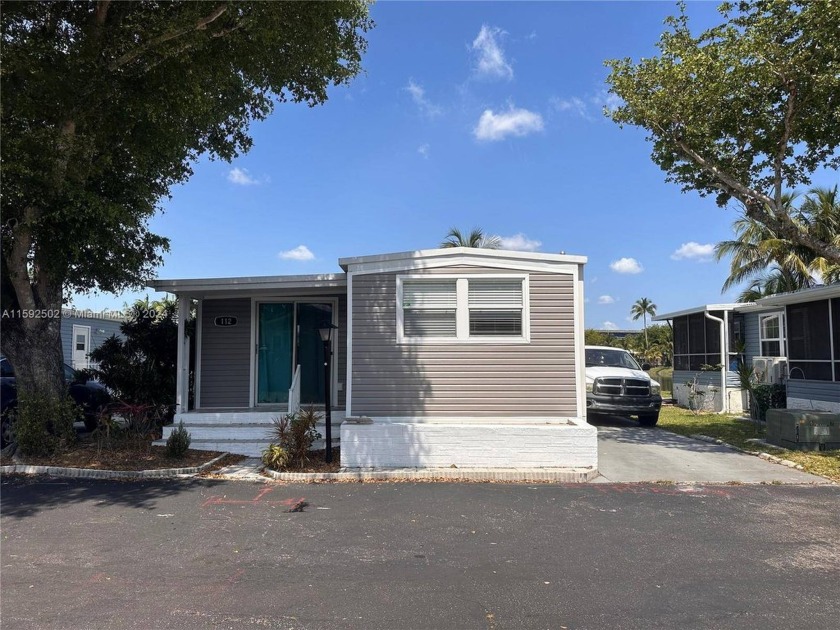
column 84, row 330
column 458, row 356
column 791, row 338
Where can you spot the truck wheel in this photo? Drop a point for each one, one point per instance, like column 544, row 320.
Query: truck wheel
column 649, row 420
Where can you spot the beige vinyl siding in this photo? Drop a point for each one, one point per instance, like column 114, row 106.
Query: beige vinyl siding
column 225, row 354
column 464, row 379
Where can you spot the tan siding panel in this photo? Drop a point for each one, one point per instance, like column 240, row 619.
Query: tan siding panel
column 534, row 379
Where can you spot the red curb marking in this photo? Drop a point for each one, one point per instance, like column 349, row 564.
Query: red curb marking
column 257, row 500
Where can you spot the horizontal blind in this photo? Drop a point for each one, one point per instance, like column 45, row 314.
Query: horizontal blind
column 438, row 294
column 496, row 323
column 429, row 323
column 495, row 293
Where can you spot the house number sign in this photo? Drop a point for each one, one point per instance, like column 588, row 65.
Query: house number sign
column 226, row 320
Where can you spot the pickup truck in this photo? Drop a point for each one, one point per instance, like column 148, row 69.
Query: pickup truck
column 617, row 386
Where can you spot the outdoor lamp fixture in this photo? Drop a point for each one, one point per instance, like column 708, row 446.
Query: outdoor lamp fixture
column 326, row 336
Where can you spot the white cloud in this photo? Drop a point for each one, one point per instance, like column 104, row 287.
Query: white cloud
column 519, row 242
column 573, row 104
column 608, row 325
column 694, row 251
column 491, row 60
column 423, row 150
column 301, row 252
column 418, row 95
column 241, row 177
column 606, row 299
column 626, row 265
column 608, row 100
column 590, row 107
column 513, row 122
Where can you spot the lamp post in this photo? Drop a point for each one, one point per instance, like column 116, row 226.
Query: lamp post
column 326, row 336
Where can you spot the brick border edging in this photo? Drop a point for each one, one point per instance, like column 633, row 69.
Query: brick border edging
column 91, row 473
column 446, row 474
column 760, row 454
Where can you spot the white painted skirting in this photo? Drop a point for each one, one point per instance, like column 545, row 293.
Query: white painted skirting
column 468, row 445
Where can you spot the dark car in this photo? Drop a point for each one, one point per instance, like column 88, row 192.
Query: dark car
column 91, row 396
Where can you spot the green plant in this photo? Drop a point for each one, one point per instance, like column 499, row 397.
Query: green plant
column 140, row 368
column 275, row 457
column 41, row 424
column 178, row 442
column 695, row 395
column 296, row 433
column 768, row 397
column 107, row 430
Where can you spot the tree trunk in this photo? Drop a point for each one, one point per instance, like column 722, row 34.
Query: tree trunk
column 33, row 346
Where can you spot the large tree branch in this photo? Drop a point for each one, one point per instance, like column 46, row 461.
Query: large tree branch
column 200, row 25
column 18, row 260
column 780, row 222
column 779, row 159
column 733, row 186
column 762, row 207
column 101, row 12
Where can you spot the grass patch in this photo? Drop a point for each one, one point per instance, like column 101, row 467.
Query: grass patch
column 737, row 432
column 665, row 377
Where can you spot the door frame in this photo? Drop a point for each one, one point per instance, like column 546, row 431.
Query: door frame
column 89, row 336
column 297, row 299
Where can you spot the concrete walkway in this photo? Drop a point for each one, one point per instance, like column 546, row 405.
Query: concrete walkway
column 630, row 453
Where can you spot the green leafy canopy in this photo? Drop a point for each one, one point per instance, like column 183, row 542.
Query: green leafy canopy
column 107, row 105
column 743, row 110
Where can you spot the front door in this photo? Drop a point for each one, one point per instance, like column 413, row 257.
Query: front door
column 287, row 336
column 81, row 347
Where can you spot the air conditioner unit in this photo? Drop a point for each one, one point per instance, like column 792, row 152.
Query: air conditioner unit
column 770, row 370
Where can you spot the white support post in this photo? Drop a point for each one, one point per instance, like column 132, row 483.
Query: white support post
column 183, row 361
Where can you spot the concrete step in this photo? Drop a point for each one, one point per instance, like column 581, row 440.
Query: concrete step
column 241, row 417
column 250, row 448
column 251, row 431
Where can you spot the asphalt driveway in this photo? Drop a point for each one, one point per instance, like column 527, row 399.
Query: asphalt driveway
column 630, row 453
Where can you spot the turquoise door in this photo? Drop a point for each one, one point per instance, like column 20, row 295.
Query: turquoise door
column 275, row 349
column 288, row 336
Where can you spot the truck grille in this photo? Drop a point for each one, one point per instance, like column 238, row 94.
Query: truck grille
column 622, row 387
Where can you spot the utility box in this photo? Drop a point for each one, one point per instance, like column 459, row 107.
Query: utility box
column 803, row 429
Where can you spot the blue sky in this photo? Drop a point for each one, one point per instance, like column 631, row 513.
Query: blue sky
column 469, row 115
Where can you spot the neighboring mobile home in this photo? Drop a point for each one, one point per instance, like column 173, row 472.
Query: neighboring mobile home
column 791, row 338
column 84, row 330
column 459, row 356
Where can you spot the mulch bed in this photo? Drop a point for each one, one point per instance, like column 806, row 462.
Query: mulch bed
column 85, row 454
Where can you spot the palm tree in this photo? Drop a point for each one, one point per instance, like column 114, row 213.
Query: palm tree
column 476, row 238
column 773, row 263
column 642, row 308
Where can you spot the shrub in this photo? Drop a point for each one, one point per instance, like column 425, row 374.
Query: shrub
column 769, row 397
column 42, row 425
column 275, row 457
column 141, row 368
column 178, row 442
column 295, row 433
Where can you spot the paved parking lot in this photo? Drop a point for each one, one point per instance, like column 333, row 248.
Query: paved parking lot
column 630, row 453
column 196, row 554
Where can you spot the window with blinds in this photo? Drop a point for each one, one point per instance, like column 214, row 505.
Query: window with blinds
column 430, row 308
column 495, row 307
column 463, row 309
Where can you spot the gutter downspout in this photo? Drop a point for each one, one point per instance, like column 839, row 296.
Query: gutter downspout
column 724, row 359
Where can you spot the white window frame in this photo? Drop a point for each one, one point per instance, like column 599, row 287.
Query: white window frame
column 462, row 311
column 782, row 338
